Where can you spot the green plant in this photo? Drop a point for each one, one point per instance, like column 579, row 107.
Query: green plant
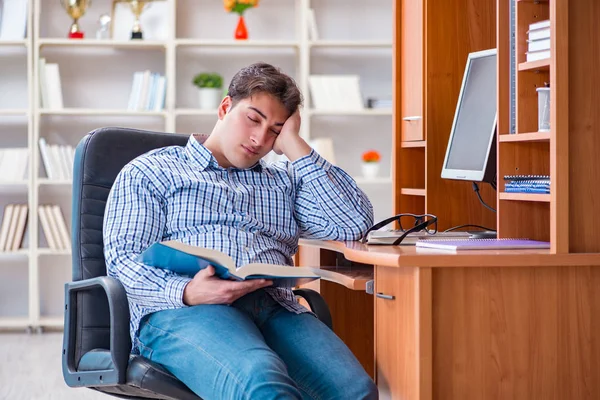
column 208, row 80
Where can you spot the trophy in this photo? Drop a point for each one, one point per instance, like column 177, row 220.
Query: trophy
column 103, row 32
column 137, row 7
column 76, row 9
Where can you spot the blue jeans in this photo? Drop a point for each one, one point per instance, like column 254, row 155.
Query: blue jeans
column 254, row 349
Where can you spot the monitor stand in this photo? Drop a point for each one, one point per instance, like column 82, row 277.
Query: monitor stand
column 482, row 235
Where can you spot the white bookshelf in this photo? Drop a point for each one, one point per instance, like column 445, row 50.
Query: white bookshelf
column 96, row 77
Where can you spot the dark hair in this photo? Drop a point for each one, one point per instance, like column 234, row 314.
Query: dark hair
column 265, row 78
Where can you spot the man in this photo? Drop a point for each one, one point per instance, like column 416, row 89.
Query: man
column 227, row 339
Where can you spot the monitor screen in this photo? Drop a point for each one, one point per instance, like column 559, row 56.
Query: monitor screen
column 470, row 154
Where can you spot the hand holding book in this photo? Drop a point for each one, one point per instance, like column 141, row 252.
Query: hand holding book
column 206, row 288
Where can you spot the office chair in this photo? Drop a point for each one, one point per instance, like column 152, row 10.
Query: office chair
column 96, row 343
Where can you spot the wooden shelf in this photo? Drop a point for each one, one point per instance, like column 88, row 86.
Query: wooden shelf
column 532, row 1
column 412, row 192
column 95, row 111
column 13, row 254
column 13, row 43
column 52, row 322
column 354, row 278
column 352, row 43
column 14, row 111
column 54, row 182
column 539, row 65
column 50, row 252
column 195, row 112
column 525, row 137
column 14, row 322
column 413, row 144
column 524, row 197
column 236, row 43
column 14, row 183
column 108, row 43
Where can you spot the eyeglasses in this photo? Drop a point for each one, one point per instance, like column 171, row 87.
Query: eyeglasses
column 408, row 223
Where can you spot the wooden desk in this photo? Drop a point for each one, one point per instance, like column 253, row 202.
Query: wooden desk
column 520, row 324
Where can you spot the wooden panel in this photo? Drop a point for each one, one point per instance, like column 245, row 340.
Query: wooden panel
column 559, row 125
column 503, row 55
column 524, row 219
column 523, row 158
column 584, row 127
column 403, row 333
column 454, row 29
column 352, row 313
column 411, row 70
column 517, row 333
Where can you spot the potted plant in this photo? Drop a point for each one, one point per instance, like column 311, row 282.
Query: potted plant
column 210, row 89
column 370, row 165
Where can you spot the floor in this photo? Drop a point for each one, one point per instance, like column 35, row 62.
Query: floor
column 30, row 369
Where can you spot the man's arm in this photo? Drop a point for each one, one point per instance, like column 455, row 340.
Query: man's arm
column 134, row 219
column 328, row 204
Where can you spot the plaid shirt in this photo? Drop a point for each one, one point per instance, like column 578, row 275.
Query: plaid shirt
column 253, row 215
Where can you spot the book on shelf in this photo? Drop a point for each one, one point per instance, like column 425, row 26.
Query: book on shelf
column 50, row 85
column 538, row 45
column 311, row 21
column 57, row 159
column 14, row 164
column 54, row 227
column 148, row 91
column 537, row 55
column 482, row 244
column 335, row 92
column 12, row 230
column 13, row 19
column 187, row 260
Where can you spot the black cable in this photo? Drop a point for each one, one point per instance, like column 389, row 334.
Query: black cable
column 465, row 225
column 476, row 190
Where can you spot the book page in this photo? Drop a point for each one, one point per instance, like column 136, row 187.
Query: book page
column 208, row 254
column 274, row 270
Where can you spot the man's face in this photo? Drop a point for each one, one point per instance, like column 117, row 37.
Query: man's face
column 250, row 128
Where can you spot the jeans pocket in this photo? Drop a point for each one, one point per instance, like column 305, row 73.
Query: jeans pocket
column 145, row 351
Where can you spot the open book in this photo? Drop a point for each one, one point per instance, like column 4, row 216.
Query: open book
column 187, row 260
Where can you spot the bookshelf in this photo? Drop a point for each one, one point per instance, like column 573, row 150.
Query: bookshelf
column 96, row 77
column 567, row 153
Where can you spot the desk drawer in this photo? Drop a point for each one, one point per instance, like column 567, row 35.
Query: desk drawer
column 399, row 321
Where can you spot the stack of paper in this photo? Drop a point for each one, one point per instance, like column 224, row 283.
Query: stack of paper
column 538, row 42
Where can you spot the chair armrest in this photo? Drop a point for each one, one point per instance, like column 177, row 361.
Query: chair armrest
column 120, row 344
column 317, row 305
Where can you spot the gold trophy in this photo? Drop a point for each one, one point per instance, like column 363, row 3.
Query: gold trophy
column 76, row 9
column 137, row 7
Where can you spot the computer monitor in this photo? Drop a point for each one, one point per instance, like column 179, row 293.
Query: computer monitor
column 471, row 151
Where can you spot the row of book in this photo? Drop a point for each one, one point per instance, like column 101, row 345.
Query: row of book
column 14, row 164
column 54, row 227
column 538, row 41
column 147, row 91
column 13, row 19
column 58, row 160
column 13, row 225
column 527, row 184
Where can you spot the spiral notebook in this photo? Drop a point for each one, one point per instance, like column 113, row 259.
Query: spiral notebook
column 482, row 244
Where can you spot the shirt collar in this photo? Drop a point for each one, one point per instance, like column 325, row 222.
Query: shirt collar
column 203, row 158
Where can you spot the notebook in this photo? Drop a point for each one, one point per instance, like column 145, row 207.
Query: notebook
column 389, row 237
column 482, row 244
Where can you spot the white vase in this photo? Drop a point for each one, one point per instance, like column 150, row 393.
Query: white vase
column 209, row 98
column 370, row 170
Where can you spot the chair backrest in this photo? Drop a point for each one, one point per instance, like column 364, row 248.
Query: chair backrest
column 98, row 159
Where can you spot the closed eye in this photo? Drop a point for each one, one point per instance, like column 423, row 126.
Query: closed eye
column 253, row 120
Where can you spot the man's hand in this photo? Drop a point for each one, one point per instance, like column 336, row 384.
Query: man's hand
column 289, row 141
column 206, row 288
